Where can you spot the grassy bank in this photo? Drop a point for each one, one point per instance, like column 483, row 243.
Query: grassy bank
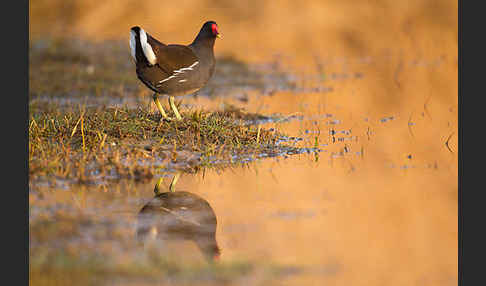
column 86, row 144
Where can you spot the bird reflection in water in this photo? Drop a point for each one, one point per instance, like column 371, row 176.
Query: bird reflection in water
column 179, row 216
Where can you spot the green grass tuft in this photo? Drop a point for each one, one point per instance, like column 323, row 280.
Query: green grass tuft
column 102, row 142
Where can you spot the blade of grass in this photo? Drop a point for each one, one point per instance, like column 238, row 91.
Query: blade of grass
column 82, row 134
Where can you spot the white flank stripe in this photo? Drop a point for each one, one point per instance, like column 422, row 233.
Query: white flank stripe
column 172, row 76
column 180, row 71
column 188, row 69
column 132, row 44
column 147, row 49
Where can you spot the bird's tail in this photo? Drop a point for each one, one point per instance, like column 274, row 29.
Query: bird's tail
column 140, row 47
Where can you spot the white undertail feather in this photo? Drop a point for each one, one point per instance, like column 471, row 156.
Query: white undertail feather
column 132, row 44
column 147, row 49
column 178, row 72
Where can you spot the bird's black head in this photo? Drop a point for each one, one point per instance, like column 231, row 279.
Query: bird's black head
column 207, row 36
column 210, row 30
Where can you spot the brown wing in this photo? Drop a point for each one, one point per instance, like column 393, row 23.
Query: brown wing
column 173, row 64
column 172, row 57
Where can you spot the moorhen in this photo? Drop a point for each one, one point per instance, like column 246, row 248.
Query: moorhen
column 174, row 70
column 179, row 216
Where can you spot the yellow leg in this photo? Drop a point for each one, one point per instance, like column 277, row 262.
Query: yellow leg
column 174, row 181
column 159, row 106
column 174, row 108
